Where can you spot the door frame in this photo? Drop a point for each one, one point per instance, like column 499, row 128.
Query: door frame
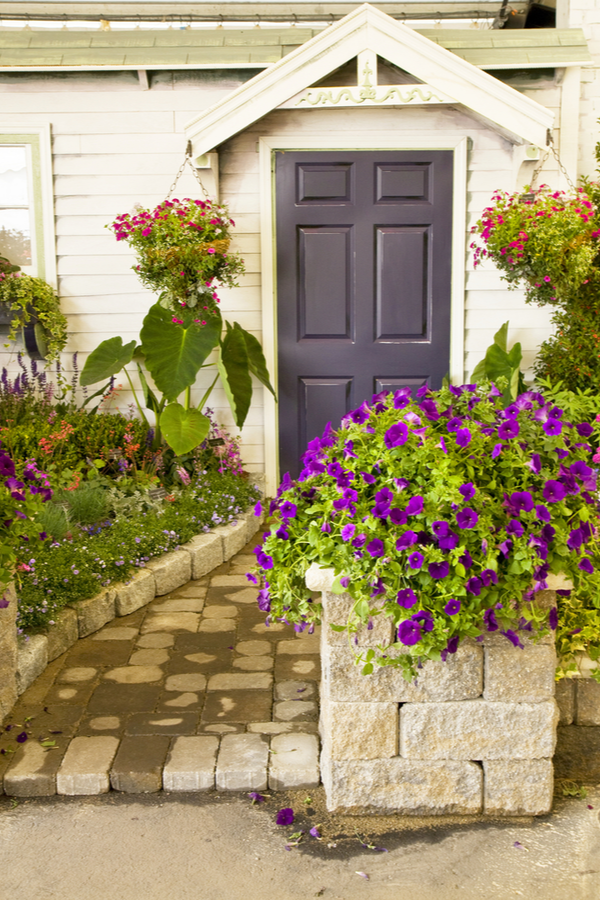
column 374, row 141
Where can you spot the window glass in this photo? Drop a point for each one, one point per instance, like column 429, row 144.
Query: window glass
column 16, row 233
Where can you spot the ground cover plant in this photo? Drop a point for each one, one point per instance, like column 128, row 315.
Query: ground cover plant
column 446, row 513
column 94, row 557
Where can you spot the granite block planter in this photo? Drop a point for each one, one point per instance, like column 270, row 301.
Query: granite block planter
column 475, row 734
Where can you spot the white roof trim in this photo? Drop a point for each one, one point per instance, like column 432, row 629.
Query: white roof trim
column 367, row 28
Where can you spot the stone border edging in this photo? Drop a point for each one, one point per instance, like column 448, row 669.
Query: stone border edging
column 23, row 660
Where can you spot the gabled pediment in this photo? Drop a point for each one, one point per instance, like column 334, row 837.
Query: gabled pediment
column 365, row 34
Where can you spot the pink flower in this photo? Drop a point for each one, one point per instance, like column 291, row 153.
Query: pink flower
column 547, row 278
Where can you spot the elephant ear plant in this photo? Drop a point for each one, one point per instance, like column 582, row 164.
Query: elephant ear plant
column 446, row 513
column 182, row 248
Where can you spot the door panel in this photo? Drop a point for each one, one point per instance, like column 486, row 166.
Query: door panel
column 363, row 282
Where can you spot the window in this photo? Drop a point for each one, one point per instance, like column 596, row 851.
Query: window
column 26, row 208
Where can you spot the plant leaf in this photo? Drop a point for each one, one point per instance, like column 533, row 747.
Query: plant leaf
column 234, row 370
column 174, row 353
column 183, row 429
column 107, row 359
column 501, row 337
column 150, row 398
column 256, row 358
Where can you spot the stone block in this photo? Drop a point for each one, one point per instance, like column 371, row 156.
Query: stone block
column 299, row 646
column 86, row 766
column 233, row 536
column 319, row 579
column 170, row 570
column 138, row 765
column 253, row 523
column 294, row 762
column 206, row 553
column 564, row 693
column 587, row 704
column 336, row 610
column 518, row 675
column 8, row 653
column 242, row 763
column 32, row 771
column 517, row 787
column 459, row 678
column 32, row 659
column 478, row 729
column 577, row 756
column 92, row 614
column 175, row 621
column 402, row 786
column 63, row 634
column 140, row 591
column 295, row 690
column 295, row 710
column 359, row 730
column 191, row 764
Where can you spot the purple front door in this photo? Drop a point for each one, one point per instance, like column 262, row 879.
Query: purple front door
column 363, row 282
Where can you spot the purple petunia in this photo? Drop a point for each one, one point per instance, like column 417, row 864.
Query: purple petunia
column 359, row 416
column 521, row 501
column 424, row 618
column 515, row 528
column 440, row 528
column 396, row 435
column 473, row 586
column 490, row 621
column 7, row 466
column 359, row 541
column 452, row 607
column 415, row 506
column 285, row 816
column 348, row 532
column 585, row 566
column 375, row 548
column 439, row 570
column 543, row 513
column 409, row 632
column 552, row 427
column 513, row 637
column 463, row 437
column 466, row 560
column 406, row 598
column 368, row 478
column 466, row 518
column 451, row 647
column 467, row 490
column 553, row 618
column 535, row 464
column 406, row 540
column 288, row 510
column 509, row 429
column 430, row 409
column 488, row 576
column 554, row 491
column 496, row 451
column 415, row 560
column 401, row 398
column 398, row 516
column 264, row 600
column 584, row 429
column 258, row 509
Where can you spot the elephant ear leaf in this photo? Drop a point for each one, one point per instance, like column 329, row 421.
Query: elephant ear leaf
column 183, row 429
column 107, row 359
column 256, row 358
column 174, row 352
column 234, row 370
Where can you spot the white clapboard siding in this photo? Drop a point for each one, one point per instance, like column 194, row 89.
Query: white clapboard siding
column 128, row 163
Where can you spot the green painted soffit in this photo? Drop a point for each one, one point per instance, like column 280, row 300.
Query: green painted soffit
column 29, row 50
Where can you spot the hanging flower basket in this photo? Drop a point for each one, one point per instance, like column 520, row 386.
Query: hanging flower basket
column 32, row 305
column 182, row 247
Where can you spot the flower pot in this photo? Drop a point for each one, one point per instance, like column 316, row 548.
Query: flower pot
column 34, row 338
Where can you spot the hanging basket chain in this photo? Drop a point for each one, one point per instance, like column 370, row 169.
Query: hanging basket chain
column 187, row 161
column 551, row 150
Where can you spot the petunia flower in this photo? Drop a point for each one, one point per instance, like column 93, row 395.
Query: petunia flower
column 258, row 509
column 368, row 478
column 415, row 560
column 430, row 409
column 511, row 636
column 553, row 618
column 535, row 464
column 585, row 566
column 521, row 501
column 439, row 570
column 543, row 513
column 552, row 427
column 497, row 450
column 466, row 560
column 398, row 516
column 488, row 576
column 288, row 510
column 348, row 532
column 402, row 398
column 463, row 437
column 375, row 548
column 467, row 490
column 285, row 816
column 7, row 466
column 406, row 540
column 449, row 542
column 440, row 528
column 415, row 506
column 454, row 424
column 326, row 527
column 584, row 429
column 515, row 528
column 452, row 607
column 466, row 518
column 409, row 632
column 554, row 491
column 508, row 430
column 361, row 415
column 490, row 621
column 473, row 586
column 256, row 797
column 396, row 435
column 406, row 598
column 359, row 541
column 424, row 618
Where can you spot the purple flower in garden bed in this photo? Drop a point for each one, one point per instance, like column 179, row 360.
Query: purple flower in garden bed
column 490, row 621
column 348, row 532
column 467, row 490
column 535, row 464
column 488, row 576
column 515, row 528
column 409, row 632
column 543, row 513
column 511, row 636
column 285, row 816
column 520, row 501
column 396, row 435
column 368, row 478
column 454, row 424
column 585, row 566
column 496, row 451
column 375, row 547
column 398, row 516
column 402, row 398
column 451, row 647
column 463, row 437
column 430, row 409
column 552, row 427
column 406, row 540
column 406, row 598
column 449, row 542
column 473, row 586
column 7, row 466
column 584, row 429
column 359, row 541
column 415, row 560
column 415, row 506
column 508, row 430
column 441, row 528
column 438, row 570
column 359, row 416
column 466, row 518
column 424, row 618
column 452, row 607
column 553, row 618
column 554, row 491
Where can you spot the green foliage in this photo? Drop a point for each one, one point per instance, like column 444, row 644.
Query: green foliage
column 184, row 429
column 445, row 514
column 502, row 366
column 62, row 572
column 580, row 405
column 234, row 369
column 87, row 504
column 28, row 297
column 107, row 359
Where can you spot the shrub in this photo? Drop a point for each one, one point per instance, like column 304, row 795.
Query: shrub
column 446, row 514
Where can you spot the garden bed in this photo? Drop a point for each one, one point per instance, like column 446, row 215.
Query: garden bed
column 23, row 659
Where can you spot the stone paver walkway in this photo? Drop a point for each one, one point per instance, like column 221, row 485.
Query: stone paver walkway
column 189, row 693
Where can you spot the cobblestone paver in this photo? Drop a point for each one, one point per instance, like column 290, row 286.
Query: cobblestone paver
column 188, row 693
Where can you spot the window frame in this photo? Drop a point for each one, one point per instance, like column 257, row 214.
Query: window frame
column 37, row 140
